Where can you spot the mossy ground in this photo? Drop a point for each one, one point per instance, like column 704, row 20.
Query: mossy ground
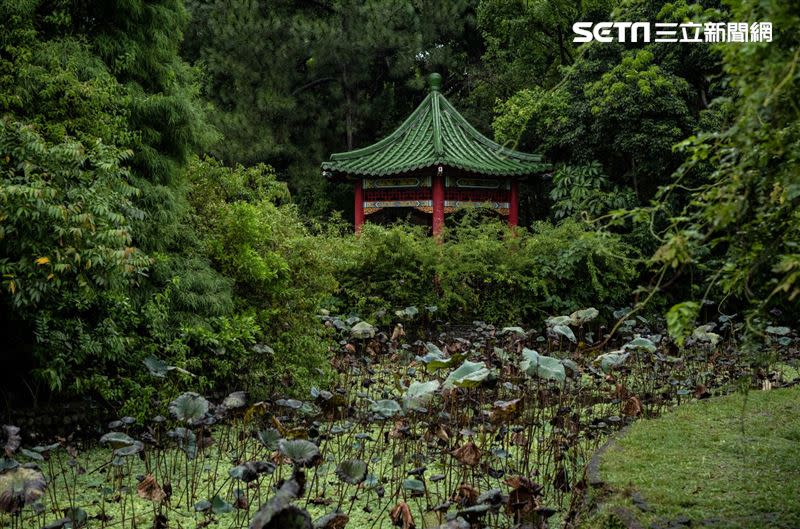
column 728, row 462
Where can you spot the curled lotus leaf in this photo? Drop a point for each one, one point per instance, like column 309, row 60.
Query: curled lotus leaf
column 129, row 450
column 20, row 487
column 456, row 523
column 504, row 410
column 293, row 404
column 279, row 513
column 301, row 452
column 492, row 497
column 159, row 368
column 75, row 517
column 435, row 359
column 777, row 331
column 12, row 439
column 262, row 349
column 309, row 409
column 386, row 408
column 401, row 516
column 30, row 454
column 572, row 366
column 250, row 470
column 564, row 331
column 352, row 471
column 46, row 449
column 149, row 489
column 610, row 361
column 117, row 439
column 552, row 321
column 468, row 454
column 220, row 506
column 407, row 313
column 468, row 375
column 333, row 520
column 545, row 367
column 414, row 486
column 579, row 317
column 269, row 437
column 476, row 511
column 186, row 440
column 189, row 407
column 640, row 344
column 419, row 394
column 704, row 334
column 8, row 464
column 518, row 331
column 156, row 366
column 235, row 400
column 362, row 331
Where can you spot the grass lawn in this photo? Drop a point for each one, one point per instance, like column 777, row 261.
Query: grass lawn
column 730, row 462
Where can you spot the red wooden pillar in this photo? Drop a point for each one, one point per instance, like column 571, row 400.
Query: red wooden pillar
column 513, row 203
column 438, row 202
column 359, row 204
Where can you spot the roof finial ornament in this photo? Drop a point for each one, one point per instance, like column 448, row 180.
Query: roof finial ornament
column 435, row 81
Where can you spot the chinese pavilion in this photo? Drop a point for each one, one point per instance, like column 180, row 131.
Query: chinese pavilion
column 435, row 163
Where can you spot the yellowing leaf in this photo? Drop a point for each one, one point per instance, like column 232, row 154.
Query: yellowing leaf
column 42, row 260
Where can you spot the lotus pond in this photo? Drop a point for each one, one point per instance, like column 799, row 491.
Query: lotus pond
column 457, row 428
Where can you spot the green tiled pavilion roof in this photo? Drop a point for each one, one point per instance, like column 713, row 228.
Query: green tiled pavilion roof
column 434, row 134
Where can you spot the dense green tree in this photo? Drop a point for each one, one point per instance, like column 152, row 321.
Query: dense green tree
column 738, row 226
column 624, row 105
column 100, row 115
column 293, row 83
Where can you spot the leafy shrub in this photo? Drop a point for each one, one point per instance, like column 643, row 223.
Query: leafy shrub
column 484, row 270
column 281, row 271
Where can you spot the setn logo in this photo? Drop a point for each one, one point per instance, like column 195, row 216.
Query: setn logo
column 672, row 32
column 603, row 31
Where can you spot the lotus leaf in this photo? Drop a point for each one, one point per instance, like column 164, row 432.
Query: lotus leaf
column 125, row 451
column 301, row 452
column 293, row 404
column 545, row 367
column 189, row 407
column 641, row 344
column 12, row 439
column 269, row 437
column 333, row 520
column 250, row 470
column 149, row 489
column 564, row 331
column 30, row 454
column 778, row 331
column 579, row 317
column 352, row 471
column 279, row 513
column 414, row 485
column 220, row 506
column 235, row 400
column 552, row 321
column 386, row 408
column 612, row 360
column 419, row 394
column 117, row 439
column 407, row 313
column 704, row 334
column 468, row 375
column 20, row 487
column 186, row 439
column 362, row 331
